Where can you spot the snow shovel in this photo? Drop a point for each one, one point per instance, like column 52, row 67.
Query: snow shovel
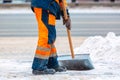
column 76, row 62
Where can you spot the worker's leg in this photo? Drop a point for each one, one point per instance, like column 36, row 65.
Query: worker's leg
column 43, row 48
column 53, row 62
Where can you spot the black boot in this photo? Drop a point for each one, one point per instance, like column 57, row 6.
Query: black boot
column 53, row 64
column 60, row 69
column 39, row 66
column 46, row 71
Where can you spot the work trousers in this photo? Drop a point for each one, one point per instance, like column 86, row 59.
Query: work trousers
column 45, row 54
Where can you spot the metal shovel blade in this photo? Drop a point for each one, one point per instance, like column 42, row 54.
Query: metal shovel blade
column 80, row 62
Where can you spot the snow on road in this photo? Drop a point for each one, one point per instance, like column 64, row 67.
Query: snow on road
column 104, row 52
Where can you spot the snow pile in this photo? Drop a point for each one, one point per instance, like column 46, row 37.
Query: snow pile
column 102, row 48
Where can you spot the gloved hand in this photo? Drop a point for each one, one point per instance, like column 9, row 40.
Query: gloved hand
column 67, row 23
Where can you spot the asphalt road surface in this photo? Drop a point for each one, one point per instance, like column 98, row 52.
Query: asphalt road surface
column 82, row 24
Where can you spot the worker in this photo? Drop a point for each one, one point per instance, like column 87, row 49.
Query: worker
column 46, row 12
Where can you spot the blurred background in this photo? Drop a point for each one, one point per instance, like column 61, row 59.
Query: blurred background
column 91, row 21
column 18, row 27
column 69, row 1
column 89, row 17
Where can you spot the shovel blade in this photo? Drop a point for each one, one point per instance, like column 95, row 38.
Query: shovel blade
column 80, row 62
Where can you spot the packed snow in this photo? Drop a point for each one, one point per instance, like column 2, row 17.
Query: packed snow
column 104, row 52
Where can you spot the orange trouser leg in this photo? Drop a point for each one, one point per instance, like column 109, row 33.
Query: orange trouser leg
column 53, row 52
column 46, row 54
column 43, row 48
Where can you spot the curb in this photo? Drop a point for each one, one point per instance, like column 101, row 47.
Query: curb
column 98, row 4
column 9, row 5
column 81, row 4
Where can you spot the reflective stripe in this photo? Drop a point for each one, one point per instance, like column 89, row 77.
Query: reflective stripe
column 53, row 51
column 41, row 57
column 43, row 48
column 53, row 54
column 52, row 46
column 43, row 54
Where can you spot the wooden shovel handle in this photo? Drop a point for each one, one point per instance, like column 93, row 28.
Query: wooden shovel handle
column 68, row 31
column 70, row 43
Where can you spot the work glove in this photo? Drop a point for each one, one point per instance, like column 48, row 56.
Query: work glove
column 67, row 23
